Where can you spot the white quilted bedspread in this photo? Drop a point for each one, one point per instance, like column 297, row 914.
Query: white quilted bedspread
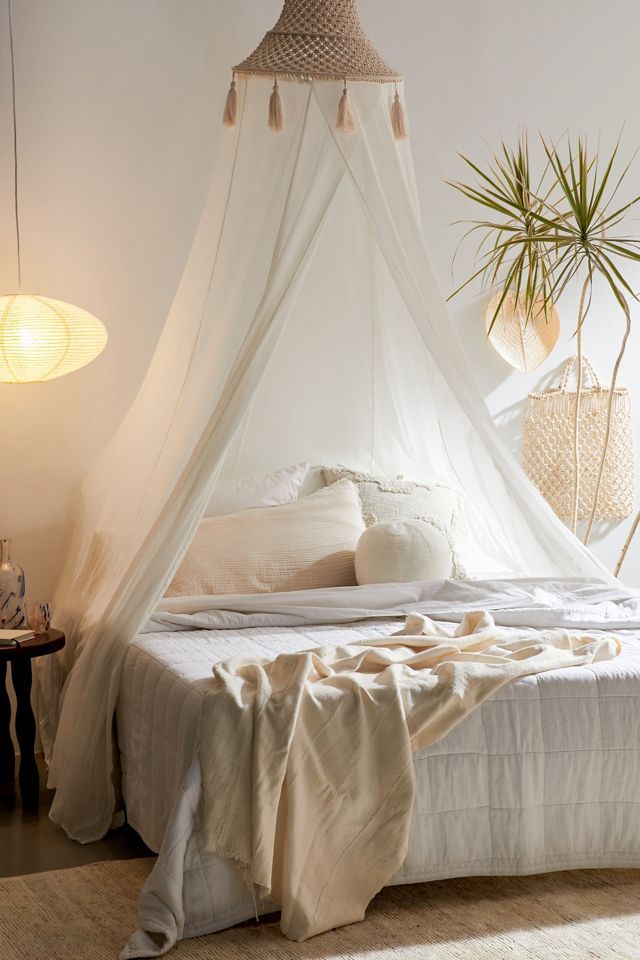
column 543, row 776
column 163, row 684
column 528, row 782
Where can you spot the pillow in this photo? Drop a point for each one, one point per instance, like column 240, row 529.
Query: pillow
column 402, row 551
column 268, row 490
column 303, row 545
column 384, row 499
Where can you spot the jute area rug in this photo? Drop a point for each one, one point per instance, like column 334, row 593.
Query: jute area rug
column 87, row 913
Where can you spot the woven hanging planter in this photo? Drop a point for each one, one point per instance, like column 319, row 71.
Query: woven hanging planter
column 524, row 342
column 318, row 40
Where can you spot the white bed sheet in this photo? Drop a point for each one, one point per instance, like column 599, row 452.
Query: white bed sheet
column 543, row 776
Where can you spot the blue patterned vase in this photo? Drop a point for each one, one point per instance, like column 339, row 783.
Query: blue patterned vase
column 11, row 590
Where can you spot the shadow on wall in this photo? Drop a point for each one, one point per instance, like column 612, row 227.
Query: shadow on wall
column 510, row 420
column 469, row 322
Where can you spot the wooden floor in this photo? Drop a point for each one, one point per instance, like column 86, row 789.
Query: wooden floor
column 30, row 842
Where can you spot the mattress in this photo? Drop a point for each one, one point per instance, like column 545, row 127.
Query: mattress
column 543, row 776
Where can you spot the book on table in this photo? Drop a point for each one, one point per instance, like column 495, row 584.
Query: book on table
column 13, row 638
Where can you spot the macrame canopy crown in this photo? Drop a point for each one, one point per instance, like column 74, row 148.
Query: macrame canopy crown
column 318, row 40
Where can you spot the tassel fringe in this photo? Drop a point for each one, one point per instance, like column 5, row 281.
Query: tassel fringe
column 276, row 121
column 346, row 120
column 231, row 106
column 399, row 118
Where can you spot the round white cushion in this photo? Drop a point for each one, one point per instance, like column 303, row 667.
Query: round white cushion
column 402, row 551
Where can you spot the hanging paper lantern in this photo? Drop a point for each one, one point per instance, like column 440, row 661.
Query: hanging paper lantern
column 41, row 338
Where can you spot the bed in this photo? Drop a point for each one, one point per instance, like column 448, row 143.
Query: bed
column 543, row 776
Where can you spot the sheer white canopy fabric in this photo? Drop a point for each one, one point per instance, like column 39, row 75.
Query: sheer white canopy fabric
column 308, row 325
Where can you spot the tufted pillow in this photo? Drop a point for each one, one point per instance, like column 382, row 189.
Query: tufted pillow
column 303, row 545
column 402, row 551
column 385, row 499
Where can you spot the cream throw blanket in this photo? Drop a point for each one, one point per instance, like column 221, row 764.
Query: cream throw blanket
column 307, row 759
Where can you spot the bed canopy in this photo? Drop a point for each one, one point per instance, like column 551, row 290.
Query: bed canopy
column 308, row 325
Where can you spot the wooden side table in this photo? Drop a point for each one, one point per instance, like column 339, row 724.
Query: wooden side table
column 20, row 658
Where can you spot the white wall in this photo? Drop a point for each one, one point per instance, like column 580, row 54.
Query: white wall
column 118, row 112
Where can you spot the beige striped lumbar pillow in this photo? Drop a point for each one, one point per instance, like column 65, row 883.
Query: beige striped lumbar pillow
column 303, row 545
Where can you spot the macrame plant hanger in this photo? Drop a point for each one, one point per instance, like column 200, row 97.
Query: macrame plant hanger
column 318, row 40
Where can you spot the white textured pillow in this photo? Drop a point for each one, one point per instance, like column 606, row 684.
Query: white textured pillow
column 402, row 551
column 303, row 545
column 385, row 499
column 267, row 490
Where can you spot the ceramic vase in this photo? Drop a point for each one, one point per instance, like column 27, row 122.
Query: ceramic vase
column 11, row 590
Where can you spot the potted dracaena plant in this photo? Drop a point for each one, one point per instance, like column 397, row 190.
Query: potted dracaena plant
column 539, row 236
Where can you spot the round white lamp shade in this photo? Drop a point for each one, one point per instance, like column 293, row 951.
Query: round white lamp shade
column 41, row 338
column 402, row 551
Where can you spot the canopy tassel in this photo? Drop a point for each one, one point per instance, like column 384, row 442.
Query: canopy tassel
column 231, row 105
column 399, row 118
column 346, row 120
column 276, row 121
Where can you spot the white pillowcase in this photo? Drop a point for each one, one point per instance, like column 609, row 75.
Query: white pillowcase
column 304, row 545
column 268, row 490
column 402, row 551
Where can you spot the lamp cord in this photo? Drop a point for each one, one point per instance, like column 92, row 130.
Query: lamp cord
column 15, row 144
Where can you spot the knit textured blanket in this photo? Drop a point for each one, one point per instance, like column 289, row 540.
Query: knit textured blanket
column 307, row 758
